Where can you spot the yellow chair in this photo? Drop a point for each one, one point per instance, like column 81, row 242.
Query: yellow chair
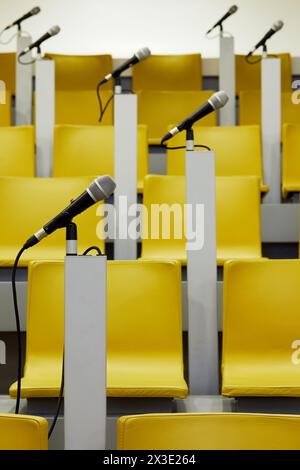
column 209, row 431
column 80, row 72
column 8, row 70
column 159, row 109
column 250, row 108
column 23, row 432
column 17, row 149
column 238, row 218
column 144, row 330
column 248, row 76
column 81, row 107
column 6, row 110
column 290, row 159
column 238, row 151
column 26, row 204
column 89, row 150
column 168, row 72
column 260, row 325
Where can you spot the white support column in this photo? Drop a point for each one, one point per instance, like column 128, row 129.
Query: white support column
column 85, row 353
column 227, row 80
column 23, row 83
column 202, row 277
column 125, row 125
column 44, row 116
column 271, row 128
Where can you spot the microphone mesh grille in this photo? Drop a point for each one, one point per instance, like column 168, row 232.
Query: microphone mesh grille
column 54, row 30
column 219, row 99
column 102, row 187
column 278, row 25
column 143, row 53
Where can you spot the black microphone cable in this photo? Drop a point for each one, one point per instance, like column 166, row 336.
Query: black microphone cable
column 18, row 327
column 102, row 109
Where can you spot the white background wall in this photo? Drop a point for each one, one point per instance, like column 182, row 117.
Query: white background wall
column 120, row 27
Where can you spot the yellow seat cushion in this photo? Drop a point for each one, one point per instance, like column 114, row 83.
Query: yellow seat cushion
column 237, row 149
column 81, row 107
column 250, row 108
column 290, row 158
column 5, row 109
column 80, row 72
column 27, row 204
column 89, row 150
column 18, row 151
column 168, row 72
column 8, row 70
column 144, row 330
column 20, row 432
column 248, row 76
column 238, row 218
column 260, row 324
column 209, row 431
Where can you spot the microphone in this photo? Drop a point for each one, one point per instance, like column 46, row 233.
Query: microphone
column 230, row 12
column 31, row 13
column 276, row 27
column 216, row 101
column 101, row 188
column 140, row 55
column 52, row 32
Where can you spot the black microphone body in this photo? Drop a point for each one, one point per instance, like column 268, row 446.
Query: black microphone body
column 140, row 55
column 230, row 12
column 275, row 28
column 100, row 189
column 216, row 101
column 49, row 34
column 31, row 13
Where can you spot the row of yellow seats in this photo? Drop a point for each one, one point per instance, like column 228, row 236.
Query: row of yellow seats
column 261, row 350
column 78, row 151
column 144, row 331
column 33, row 201
column 158, row 72
column 199, row 431
column 156, row 109
column 89, row 150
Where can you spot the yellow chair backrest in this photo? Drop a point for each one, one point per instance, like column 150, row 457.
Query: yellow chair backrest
column 209, row 431
column 81, row 107
column 89, row 150
column 80, row 72
column 250, row 108
column 23, row 432
column 290, row 158
column 168, row 72
column 238, row 218
column 153, row 337
column 5, row 108
column 26, row 204
column 248, row 76
column 237, row 149
column 17, row 149
column 260, row 325
column 159, row 109
column 8, row 70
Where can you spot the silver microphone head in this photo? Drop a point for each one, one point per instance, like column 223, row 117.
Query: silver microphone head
column 102, row 187
column 219, row 99
column 278, row 25
column 143, row 53
column 35, row 10
column 54, row 30
column 233, row 9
